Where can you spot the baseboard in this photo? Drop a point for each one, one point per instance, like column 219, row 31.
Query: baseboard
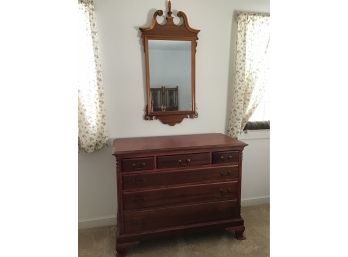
column 255, row 201
column 97, row 222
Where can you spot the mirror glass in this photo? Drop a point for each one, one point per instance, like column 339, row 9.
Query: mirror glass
column 170, row 75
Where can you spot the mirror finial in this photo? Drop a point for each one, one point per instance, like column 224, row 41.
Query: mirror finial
column 169, row 8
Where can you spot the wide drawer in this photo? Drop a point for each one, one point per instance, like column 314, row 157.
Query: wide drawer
column 226, row 157
column 183, row 160
column 180, row 195
column 137, row 164
column 179, row 177
column 149, row 220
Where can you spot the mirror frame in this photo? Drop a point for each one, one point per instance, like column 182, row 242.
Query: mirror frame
column 170, row 31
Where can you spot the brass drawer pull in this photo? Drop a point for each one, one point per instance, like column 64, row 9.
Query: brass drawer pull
column 222, row 157
column 225, row 191
column 184, row 163
column 230, row 157
column 181, row 163
column 225, row 173
column 138, row 165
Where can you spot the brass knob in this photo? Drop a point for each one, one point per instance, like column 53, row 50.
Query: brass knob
column 179, row 161
column 222, row 157
column 143, row 164
column 224, row 191
column 230, row 157
column 134, row 165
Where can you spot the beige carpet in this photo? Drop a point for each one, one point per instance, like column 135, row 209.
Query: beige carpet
column 100, row 242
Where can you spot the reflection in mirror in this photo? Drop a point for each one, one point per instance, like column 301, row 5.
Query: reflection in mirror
column 170, row 75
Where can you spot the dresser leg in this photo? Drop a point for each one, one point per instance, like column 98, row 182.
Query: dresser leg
column 119, row 253
column 239, row 234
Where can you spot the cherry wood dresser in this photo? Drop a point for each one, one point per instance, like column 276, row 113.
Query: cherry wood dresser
column 173, row 184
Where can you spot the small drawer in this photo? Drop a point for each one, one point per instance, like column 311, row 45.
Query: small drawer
column 226, row 157
column 138, row 164
column 183, row 160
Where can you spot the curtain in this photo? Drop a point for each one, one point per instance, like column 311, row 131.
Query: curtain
column 91, row 112
column 251, row 68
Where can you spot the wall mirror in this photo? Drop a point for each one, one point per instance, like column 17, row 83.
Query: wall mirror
column 170, row 51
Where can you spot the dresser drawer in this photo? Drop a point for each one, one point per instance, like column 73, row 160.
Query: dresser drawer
column 183, row 160
column 140, row 221
column 179, row 177
column 180, row 195
column 137, row 164
column 226, row 157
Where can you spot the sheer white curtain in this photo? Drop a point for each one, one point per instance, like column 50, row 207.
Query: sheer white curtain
column 91, row 112
column 251, row 68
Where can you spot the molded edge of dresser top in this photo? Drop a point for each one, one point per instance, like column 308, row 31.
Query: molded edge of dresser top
column 172, row 143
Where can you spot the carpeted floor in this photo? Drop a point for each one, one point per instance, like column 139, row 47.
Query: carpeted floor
column 100, row 242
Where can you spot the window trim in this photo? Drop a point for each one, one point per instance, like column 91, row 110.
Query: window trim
column 257, row 125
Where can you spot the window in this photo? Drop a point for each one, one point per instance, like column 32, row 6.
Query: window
column 250, row 96
column 260, row 119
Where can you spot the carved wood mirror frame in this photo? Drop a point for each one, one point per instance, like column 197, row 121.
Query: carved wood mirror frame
column 169, row 31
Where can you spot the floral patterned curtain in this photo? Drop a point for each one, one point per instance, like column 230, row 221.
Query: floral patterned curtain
column 251, row 68
column 91, row 112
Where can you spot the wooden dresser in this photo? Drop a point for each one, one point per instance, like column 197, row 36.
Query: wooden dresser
column 174, row 184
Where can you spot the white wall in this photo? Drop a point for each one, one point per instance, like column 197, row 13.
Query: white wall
column 256, row 167
column 123, row 77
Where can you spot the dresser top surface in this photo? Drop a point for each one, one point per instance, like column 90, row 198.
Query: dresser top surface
column 179, row 142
